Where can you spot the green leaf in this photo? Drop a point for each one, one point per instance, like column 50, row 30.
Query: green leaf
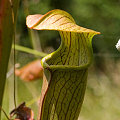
column 66, row 69
column 6, row 35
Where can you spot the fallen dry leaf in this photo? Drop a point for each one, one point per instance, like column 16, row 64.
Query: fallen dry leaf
column 31, row 71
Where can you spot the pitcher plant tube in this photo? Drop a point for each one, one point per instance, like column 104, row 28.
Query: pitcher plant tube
column 66, row 69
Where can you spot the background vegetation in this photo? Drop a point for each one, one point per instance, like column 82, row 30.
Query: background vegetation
column 102, row 94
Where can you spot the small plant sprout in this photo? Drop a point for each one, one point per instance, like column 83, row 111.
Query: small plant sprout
column 118, row 45
column 22, row 113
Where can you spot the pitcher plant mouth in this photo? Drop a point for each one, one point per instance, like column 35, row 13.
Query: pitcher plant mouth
column 46, row 61
column 66, row 69
column 72, row 35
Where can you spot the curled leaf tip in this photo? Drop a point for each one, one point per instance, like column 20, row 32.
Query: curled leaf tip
column 32, row 20
column 55, row 20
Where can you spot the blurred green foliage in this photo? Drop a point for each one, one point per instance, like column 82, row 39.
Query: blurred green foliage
column 100, row 15
column 102, row 94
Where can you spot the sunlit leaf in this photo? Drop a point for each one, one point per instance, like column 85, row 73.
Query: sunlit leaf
column 66, row 69
column 6, row 35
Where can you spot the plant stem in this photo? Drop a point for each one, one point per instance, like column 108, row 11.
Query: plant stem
column 28, row 50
